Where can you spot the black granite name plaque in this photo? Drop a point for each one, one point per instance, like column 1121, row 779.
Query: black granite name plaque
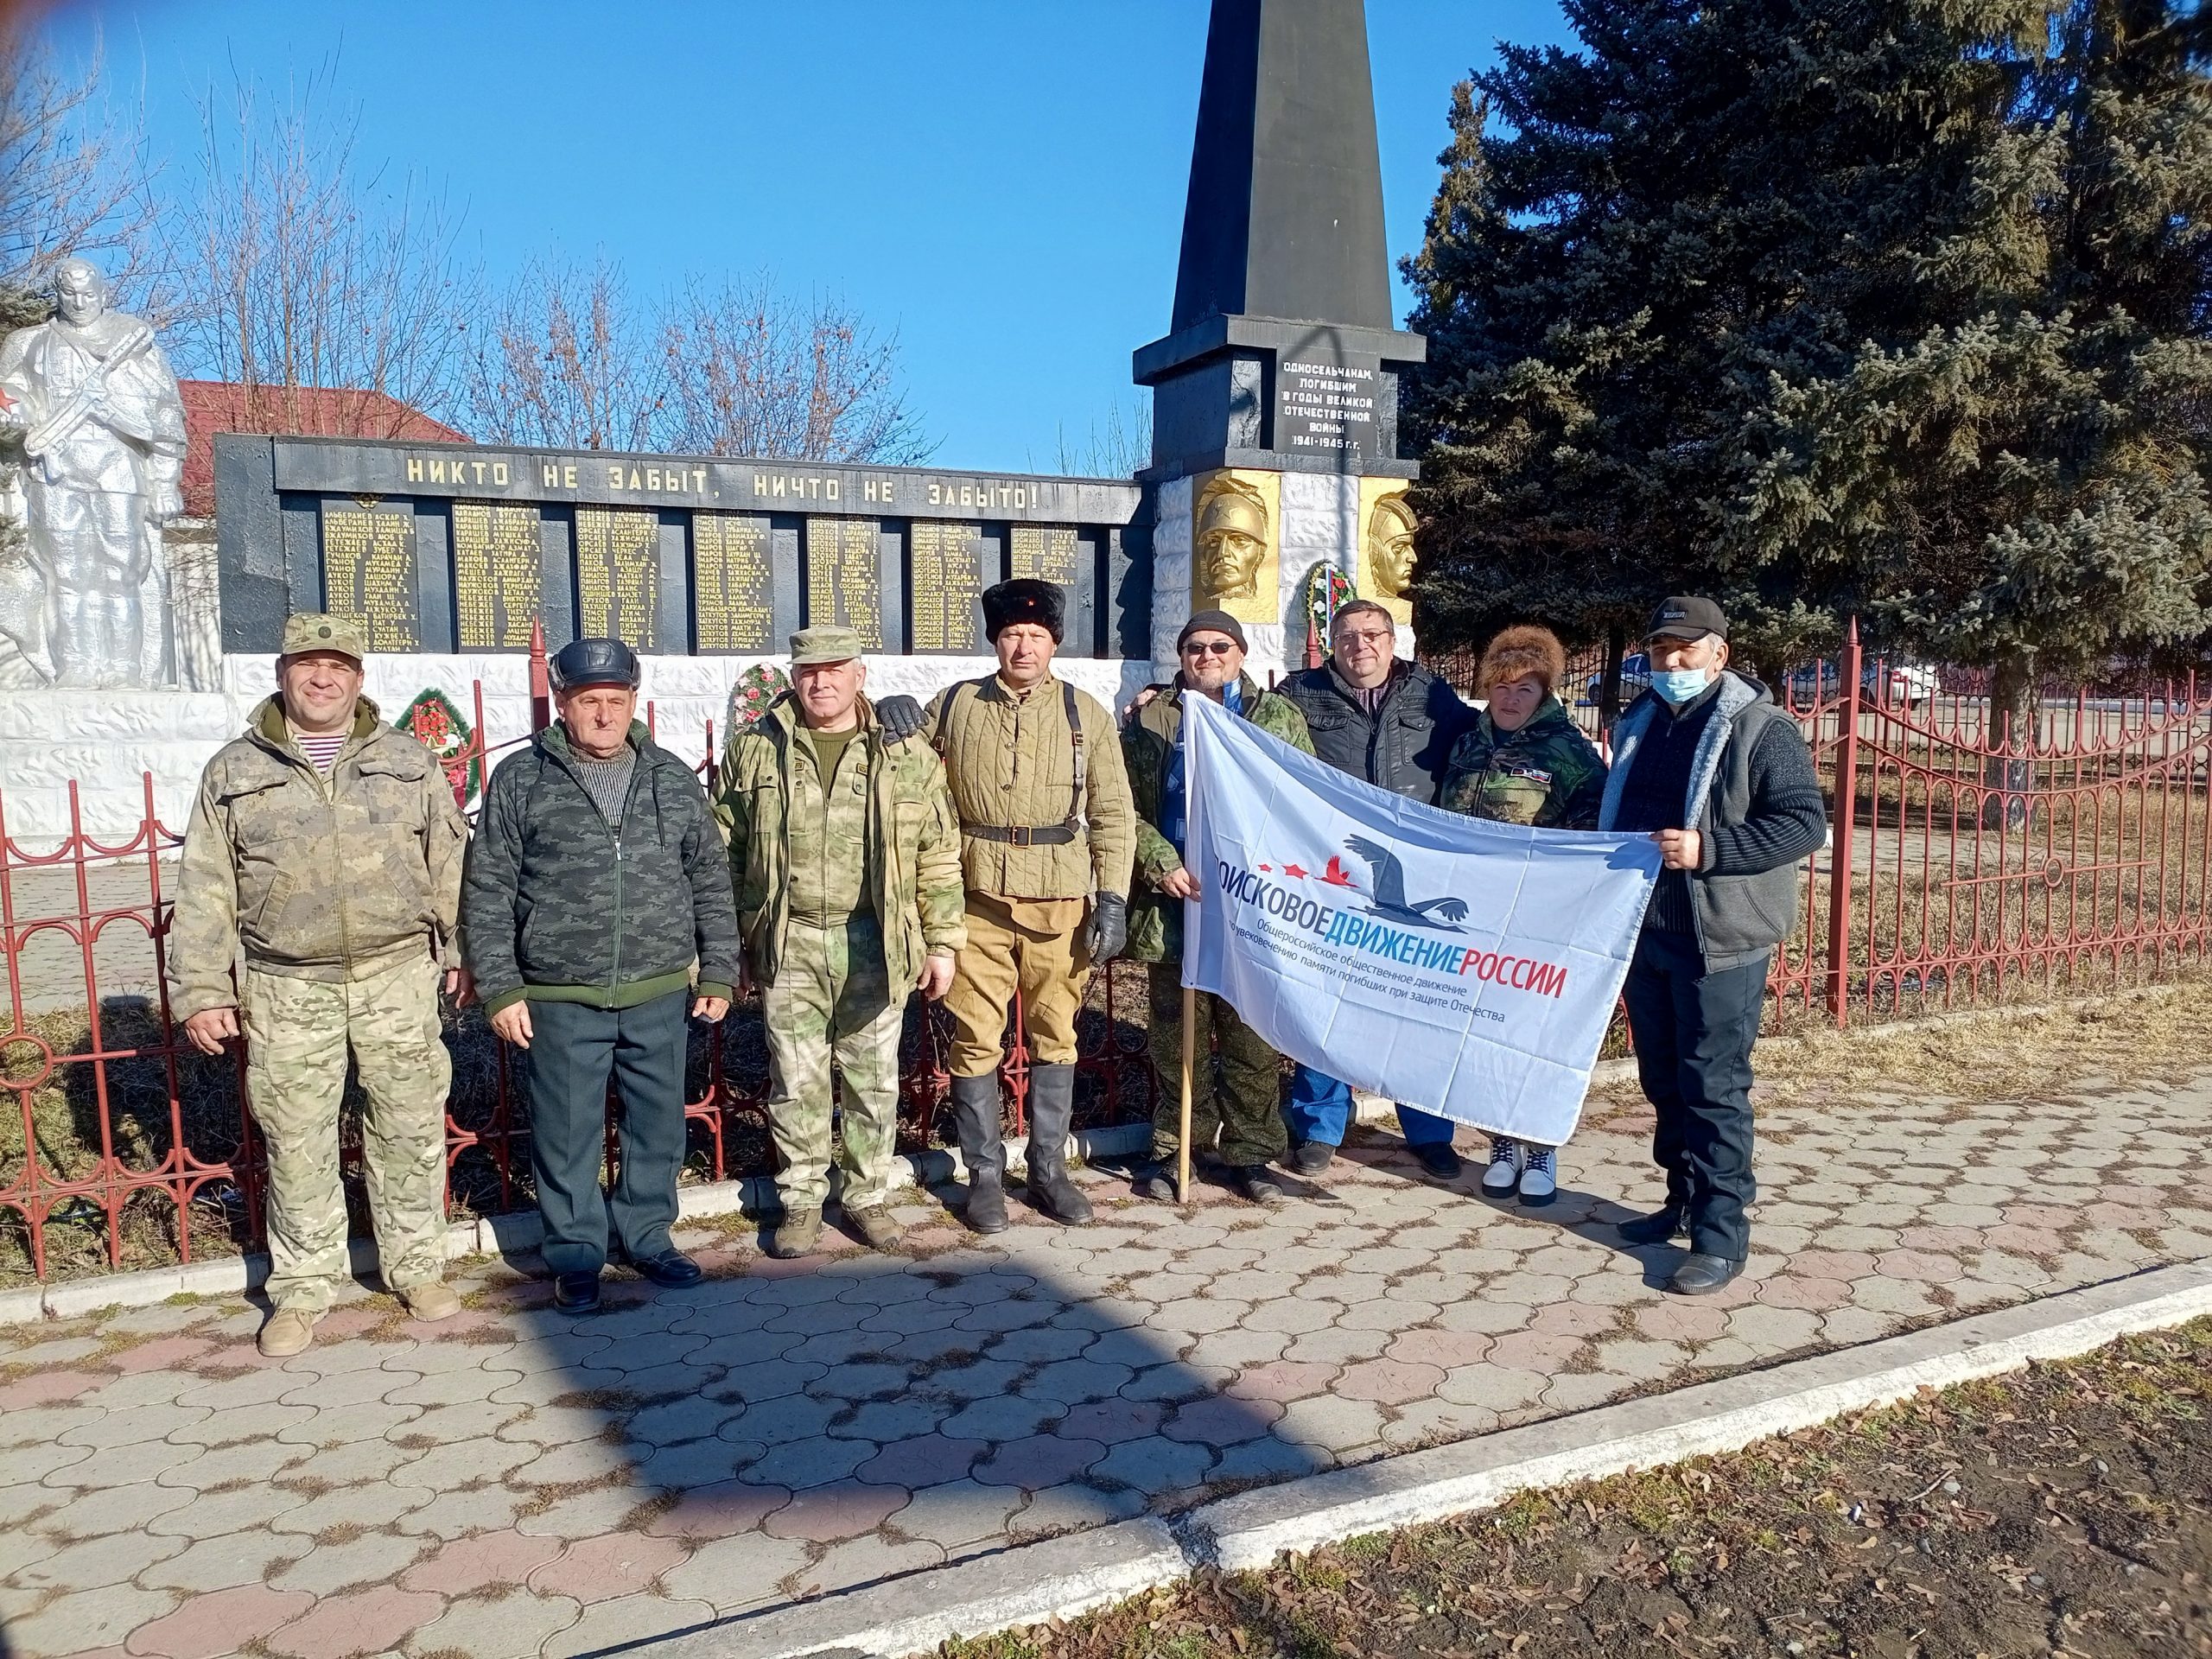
column 498, row 559
column 732, row 582
column 944, row 563
column 370, row 564
column 1326, row 403
column 618, row 575
column 844, row 577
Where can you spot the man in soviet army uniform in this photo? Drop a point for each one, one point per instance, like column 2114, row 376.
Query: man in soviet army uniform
column 1047, row 834
column 326, row 848
column 1245, row 1111
column 594, row 887
column 845, row 855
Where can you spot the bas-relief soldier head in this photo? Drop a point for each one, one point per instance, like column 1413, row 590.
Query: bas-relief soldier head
column 1231, row 541
column 80, row 293
column 1390, row 547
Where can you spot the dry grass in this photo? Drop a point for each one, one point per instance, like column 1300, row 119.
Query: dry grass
column 2163, row 1034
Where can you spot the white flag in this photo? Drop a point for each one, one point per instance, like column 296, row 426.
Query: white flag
column 1464, row 967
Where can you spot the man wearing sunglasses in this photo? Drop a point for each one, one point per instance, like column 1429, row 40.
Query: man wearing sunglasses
column 1379, row 717
column 1239, row 1115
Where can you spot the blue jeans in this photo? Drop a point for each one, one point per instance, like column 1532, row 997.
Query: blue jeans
column 1320, row 1110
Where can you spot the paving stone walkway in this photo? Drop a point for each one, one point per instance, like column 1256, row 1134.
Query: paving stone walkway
column 517, row 1482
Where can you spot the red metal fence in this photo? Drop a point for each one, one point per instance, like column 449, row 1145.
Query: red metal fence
column 1970, row 862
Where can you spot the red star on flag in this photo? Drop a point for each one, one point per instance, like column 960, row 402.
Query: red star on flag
column 1293, row 869
column 1264, row 869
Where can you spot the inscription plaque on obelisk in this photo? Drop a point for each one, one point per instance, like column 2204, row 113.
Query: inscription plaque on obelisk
column 497, row 585
column 843, row 577
column 944, row 586
column 369, row 564
column 618, row 575
column 732, row 582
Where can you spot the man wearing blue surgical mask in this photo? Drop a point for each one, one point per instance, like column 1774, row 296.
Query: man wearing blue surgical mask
column 1722, row 781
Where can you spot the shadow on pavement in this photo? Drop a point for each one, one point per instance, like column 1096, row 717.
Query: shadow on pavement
column 791, row 1429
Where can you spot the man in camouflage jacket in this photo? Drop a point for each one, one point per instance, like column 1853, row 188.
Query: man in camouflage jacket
column 325, row 848
column 1243, row 1111
column 845, row 854
column 596, row 884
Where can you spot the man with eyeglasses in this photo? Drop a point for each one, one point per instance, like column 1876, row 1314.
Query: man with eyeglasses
column 1239, row 1115
column 1391, row 721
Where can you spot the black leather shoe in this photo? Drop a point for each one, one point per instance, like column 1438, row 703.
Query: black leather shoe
column 1313, row 1157
column 1153, row 1183
column 671, row 1269
column 1253, row 1182
column 575, row 1293
column 1440, row 1160
column 1702, row 1275
column 1657, row 1227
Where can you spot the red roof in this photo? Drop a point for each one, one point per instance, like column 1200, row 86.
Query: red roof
column 212, row 406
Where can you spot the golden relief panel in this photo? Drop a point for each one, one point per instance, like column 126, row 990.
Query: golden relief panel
column 1235, row 538
column 1386, row 546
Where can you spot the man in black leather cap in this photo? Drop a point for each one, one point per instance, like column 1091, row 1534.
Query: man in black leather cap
column 596, row 886
column 1720, row 778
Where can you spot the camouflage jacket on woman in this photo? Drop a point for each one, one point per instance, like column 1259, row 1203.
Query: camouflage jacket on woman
column 1149, row 749
column 1545, row 774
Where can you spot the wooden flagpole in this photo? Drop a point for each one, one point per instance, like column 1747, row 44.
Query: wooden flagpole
column 1189, row 1050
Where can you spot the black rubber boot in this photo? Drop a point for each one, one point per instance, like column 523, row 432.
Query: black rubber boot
column 976, row 1120
column 1051, row 1117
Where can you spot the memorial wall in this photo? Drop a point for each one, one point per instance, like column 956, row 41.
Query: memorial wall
column 442, row 548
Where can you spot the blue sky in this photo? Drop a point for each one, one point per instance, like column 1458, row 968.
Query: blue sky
column 1000, row 180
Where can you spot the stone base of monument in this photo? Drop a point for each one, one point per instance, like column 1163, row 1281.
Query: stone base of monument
column 109, row 743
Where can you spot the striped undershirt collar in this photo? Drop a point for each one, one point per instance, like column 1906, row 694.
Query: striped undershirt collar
column 321, row 748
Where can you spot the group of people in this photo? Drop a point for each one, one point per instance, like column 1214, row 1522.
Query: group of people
column 983, row 851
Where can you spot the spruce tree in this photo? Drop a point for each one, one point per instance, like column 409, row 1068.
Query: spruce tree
column 1827, row 307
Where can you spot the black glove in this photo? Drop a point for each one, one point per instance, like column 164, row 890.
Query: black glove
column 1109, row 928
column 899, row 716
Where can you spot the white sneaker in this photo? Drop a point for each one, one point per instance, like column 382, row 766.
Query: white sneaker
column 1504, row 1167
column 1539, row 1182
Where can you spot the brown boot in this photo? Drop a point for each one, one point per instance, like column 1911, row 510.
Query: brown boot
column 875, row 1224
column 796, row 1236
column 289, row 1331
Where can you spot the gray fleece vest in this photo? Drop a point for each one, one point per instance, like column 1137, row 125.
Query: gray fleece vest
column 1738, row 916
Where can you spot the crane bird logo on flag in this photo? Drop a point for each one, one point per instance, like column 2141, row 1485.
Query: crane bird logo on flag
column 1463, row 966
column 1388, row 900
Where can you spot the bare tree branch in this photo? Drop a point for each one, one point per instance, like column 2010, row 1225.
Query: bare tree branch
column 73, row 177
column 560, row 360
column 297, row 272
column 745, row 370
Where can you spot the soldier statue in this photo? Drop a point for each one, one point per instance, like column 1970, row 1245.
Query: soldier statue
column 94, row 411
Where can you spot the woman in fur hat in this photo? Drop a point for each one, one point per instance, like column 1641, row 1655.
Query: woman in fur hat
column 1524, row 761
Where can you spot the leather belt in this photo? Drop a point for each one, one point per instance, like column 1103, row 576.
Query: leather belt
column 1021, row 835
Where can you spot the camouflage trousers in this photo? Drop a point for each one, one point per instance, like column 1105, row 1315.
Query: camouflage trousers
column 832, row 999
column 1243, row 1112
column 298, row 1033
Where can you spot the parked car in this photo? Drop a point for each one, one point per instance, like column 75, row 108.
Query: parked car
column 1636, row 679
column 1909, row 684
column 1813, row 681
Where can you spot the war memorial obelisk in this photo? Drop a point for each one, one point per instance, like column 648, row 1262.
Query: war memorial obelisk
column 1274, row 391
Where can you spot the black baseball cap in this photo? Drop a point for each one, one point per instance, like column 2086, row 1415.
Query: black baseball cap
column 595, row 662
column 1686, row 617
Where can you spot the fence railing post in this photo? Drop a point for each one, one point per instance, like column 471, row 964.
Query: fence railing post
column 1843, row 833
column 541, row 682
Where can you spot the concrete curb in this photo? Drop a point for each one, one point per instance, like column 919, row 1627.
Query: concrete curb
column 514, row 1233
column 1032, row 1584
